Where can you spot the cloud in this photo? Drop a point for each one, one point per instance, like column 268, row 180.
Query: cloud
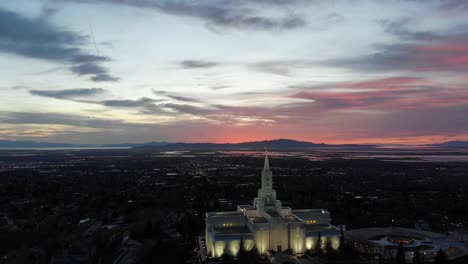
column 191, row 64
column 454, row 5
column 38, row 39
column 219, row 87
column 145, row 105
column 87, row 68
column 397, row 28
column 280, row 67
column 176, row 97
column 142, row 102
column 188, row 109
column 334, row 18
column 395, row 93
column 437, row 57
column 104, row 77
column 55, row 118
column 68, row 93
column 226, row 14
column 419, row 51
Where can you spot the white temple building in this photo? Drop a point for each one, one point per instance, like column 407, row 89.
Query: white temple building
column 268, row 226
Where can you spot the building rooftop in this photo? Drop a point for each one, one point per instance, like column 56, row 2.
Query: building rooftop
column 318, row 227
column 259, row 220
column 274, row 214
column 221, row 214
column 309, row 211
column 231, row 230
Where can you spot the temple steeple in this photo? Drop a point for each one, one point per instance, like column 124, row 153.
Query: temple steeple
column 267, row 183
column 266, row 165
column 266, row 200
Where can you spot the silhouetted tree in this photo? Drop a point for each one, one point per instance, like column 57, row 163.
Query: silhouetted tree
column 417, row 257
column 225, row 257
column 148, row 229
column 241, row 246
column 318, row 246
column 400, row 258
column 243, row 255
column 440, row 257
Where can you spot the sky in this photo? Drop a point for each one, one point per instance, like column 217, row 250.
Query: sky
column 333, row 71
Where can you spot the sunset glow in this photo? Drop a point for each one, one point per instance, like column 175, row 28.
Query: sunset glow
column 219, row 71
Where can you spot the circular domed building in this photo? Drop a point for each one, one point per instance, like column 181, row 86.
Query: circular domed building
column 386, row 242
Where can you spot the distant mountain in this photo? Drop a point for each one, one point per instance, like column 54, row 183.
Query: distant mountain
column 451, row 144
column 257, row 145
column 10, row 144
column 34, row 144
column 254, row 145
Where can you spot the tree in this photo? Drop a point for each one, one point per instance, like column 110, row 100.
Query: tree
column 241, row 246
column 148, row 229
column 249, row 257
column 400, row 258
column 225, row 257
column 242, row 255
column 318, row 246
column 342, row 239
column 440, row 257
column 417, row 257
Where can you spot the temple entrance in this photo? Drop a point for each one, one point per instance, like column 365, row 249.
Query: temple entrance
column 280, row 249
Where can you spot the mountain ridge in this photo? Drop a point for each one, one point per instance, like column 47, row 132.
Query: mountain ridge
column 451, row 144
column 274, row 144
column 280, row 143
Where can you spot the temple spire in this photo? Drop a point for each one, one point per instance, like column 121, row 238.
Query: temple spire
column 266, row 166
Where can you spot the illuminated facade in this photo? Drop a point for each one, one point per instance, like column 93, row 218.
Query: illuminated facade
column 269, row 226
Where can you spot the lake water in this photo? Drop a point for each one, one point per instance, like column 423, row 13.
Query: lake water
column 397, row 155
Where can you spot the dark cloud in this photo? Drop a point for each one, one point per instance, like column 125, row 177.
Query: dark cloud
column 54, row 118
column 48, row 11
column 219, row 87
column 456, row 5
column 88, row 68
column 142, row 102
column 38, row 39
column 144, row 105
column 176, row 97
column 99, row 73
column 398, row 27
column 190, row 64
column 76, row 95
column 188, row 109
column 414, row 51
column 104, row 77
column 280, row 67
column 395, row 93
column 228, row 14
column 68, row 93
column 411, row 57
column 334, row 18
